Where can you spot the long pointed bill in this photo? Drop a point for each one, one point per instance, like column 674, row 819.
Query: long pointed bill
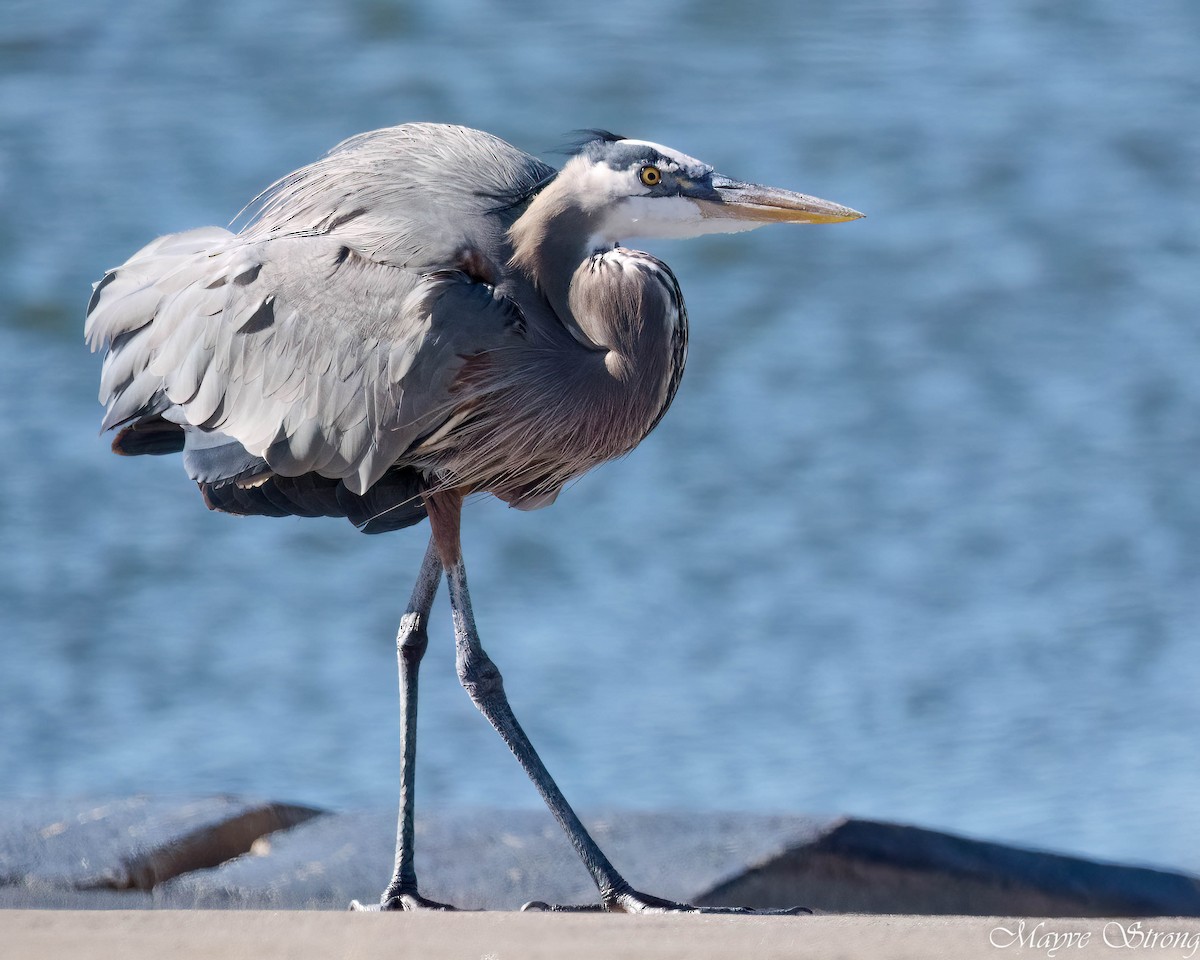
column 751, row 202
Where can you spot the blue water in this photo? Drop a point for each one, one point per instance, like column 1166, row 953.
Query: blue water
column 920, row 538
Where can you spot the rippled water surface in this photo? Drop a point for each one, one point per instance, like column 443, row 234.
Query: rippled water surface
column 920, row 538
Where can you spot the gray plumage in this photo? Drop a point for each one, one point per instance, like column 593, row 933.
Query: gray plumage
column 422, row 314
column 368, row 319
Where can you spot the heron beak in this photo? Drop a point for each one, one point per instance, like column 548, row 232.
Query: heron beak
column 755, row 203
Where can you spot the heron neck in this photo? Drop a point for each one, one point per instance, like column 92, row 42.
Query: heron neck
column 549, row 241
column 623, row 304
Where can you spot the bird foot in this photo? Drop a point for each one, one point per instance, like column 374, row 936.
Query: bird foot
column 631, row 901
column 402, row 901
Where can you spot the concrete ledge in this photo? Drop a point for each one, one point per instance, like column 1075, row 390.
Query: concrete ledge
column 223, row 852
column 263, row 935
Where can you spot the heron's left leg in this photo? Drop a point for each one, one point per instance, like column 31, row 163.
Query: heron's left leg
column 483, row 683
column 412, row 639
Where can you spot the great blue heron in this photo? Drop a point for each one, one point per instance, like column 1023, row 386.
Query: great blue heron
column 422, row 314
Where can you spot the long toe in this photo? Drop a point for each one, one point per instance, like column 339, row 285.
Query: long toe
column 631, row 901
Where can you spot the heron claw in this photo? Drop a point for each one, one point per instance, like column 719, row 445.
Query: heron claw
column 631, row 901
column 402, row 901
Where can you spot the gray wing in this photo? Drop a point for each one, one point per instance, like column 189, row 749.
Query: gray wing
column 311, row 357
column 326, row 337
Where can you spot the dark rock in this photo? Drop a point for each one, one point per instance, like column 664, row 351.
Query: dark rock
column 863, row 866
column 129, row 842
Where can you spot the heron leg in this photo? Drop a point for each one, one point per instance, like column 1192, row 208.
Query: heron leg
column 484, row 685
column 411, row 641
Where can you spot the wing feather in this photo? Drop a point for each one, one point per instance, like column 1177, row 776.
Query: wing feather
column 311, row 367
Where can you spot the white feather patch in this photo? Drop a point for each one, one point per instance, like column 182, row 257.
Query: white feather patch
column 662, row 218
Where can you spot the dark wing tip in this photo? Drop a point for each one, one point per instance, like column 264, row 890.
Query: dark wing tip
column 98, row 289
column 153, row 435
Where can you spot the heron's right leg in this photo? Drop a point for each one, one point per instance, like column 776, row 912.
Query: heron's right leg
column 411, row 642
column 485, row 687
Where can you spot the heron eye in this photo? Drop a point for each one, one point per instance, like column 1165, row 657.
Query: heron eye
column 651, row 175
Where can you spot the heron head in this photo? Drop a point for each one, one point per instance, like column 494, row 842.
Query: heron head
column 635, row 188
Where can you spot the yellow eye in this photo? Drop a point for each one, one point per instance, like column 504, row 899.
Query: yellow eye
column 651, row 175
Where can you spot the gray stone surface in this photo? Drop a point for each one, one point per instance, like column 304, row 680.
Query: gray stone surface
column 227, row 852
column 490, row 859
column 58, row 848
